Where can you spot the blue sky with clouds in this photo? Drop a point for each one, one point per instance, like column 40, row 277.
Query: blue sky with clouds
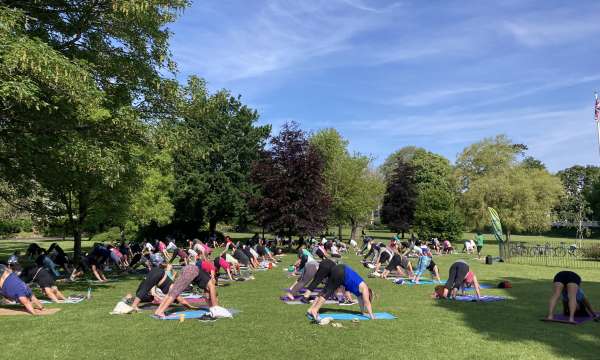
column 386, row 74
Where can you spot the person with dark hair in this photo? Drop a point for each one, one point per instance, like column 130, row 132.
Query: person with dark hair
column 399, row 263
column 308, row 267
column 479, row 239
column 33, row 251
column 44, row 279
column 13, row 288
column 567, row 285
column 93, row 262
column 344, row 276
column 44, row 260
column 59, row 257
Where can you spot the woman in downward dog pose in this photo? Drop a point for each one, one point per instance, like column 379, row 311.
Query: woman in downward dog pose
column 343, row 275
column 157, row 278
column 309, row 267
column 13, row 288
column 460, row 277
column 45, row 281
column 567, row 285
column 190, row 274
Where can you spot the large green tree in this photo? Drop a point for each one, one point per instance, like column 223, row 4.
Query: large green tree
column 77, row 78
column 218, row 140
column 404, row 155
column 355, row 191
column 492, row 175
column 436, row 211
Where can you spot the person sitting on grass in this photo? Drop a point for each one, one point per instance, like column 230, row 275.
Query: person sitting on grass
column 13, row 288
column 344, row 276
column 189, row 274
column 44, row 279
column 567, row 285
column 460, row 277
column 157, row 278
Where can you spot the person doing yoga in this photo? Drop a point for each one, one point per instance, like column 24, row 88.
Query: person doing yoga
column 460, row 277
column 13, row 288
column 343, row 275
column 567, row 285
column 44, row 279
column 190, row 274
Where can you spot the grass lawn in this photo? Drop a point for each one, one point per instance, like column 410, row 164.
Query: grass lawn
column 269, row 329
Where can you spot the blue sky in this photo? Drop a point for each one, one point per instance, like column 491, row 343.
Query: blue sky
column 386, row 74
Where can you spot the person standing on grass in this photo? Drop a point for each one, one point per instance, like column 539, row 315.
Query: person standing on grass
column 567, row 285
column 479, row 242
column 343, row 275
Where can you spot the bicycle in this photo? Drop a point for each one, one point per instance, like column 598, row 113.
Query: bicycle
column 519, row 249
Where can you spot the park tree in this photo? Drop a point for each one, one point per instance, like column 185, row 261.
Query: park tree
column 78, row 78
column 355, row 191
column 404, row 154
column 436, row 209
column 399, row 202
column 576, row 206
column 491, row 175
column 217, row 142
column 292, row 197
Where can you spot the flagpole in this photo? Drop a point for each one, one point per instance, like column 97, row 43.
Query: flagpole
column 597, row 119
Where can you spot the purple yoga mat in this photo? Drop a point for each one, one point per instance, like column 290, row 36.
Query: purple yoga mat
column 565, row 319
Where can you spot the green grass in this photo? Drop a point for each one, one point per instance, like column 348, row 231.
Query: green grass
column 268, row 329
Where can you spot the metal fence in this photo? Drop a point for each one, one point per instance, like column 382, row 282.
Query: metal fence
column 575, row 254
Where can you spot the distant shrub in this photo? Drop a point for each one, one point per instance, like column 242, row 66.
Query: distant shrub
column 592, row 252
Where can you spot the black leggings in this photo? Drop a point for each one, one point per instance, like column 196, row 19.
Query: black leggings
column 151, row 280
column 336, row 279
column 324, row 271
column 457, row 273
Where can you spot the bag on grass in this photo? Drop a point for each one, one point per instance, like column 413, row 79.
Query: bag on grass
column 220, row 312
column 505, row 285
column 121, row 308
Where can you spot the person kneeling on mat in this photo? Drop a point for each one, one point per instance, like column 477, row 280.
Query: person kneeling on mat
column 190, row 274
column 567, row 285
column 45, row 281
column 343, row 275
column 13, row 288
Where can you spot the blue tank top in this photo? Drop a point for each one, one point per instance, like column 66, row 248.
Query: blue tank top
column 352, row 280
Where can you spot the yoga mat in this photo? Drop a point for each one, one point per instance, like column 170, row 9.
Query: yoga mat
column 298, row 302
column 348, row 316
column 190, row 314
column 484, row 298
column 22, row 311
column 423, row 282
column 564, row 319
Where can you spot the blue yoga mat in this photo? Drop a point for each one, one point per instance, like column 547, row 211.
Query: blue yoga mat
column 189, row 314
column 347, row 316
column 423, row 282
column 484, row 298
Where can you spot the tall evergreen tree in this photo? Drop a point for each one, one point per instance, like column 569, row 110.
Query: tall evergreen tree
column 399, row 202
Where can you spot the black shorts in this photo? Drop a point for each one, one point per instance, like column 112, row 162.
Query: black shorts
column 151, row 280
column 567, row 277
column 202, row 279
column 431, row 266
column 241, row 257
column 395, row 262
column 385, row 257
column 336, row 279
column 44, row 279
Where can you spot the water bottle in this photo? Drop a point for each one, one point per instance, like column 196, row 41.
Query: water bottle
column 89, row 293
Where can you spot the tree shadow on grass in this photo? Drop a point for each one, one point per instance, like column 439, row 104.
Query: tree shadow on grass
column 518, row 319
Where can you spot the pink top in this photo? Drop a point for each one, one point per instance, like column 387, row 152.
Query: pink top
column 224, row 264
column 207, row 249
column 469, row 277
column 117, row 252
column 446, row 243
column 208, row 266
column 161, row 246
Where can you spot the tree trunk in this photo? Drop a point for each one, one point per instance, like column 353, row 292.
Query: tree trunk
column 340, row 232
column 212, row 226
column 402, row 234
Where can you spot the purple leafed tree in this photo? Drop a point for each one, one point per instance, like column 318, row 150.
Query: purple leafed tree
column 289, row 175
